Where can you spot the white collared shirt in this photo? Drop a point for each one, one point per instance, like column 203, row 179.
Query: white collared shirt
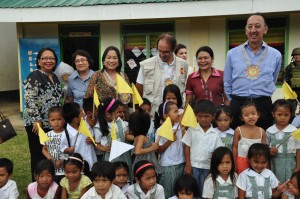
column 201, row 144
column 209, row 187
column 114, row 192
column 87, row 151
column 244, row 184
column 230, row 131
column 160, row 194
column 9, row 190
column 292, row 143
column 174, row 154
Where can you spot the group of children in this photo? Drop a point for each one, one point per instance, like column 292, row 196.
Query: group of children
column 208, row 161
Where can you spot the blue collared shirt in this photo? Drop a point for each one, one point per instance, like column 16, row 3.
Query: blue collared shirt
column 77, row 86
column 263, row 80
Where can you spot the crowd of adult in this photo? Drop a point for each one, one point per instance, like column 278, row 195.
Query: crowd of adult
column 250, row 73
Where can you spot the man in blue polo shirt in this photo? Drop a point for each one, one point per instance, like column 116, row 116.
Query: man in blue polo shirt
column 251, row 72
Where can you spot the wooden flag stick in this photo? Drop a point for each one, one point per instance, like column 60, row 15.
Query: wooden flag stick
column 283, row 141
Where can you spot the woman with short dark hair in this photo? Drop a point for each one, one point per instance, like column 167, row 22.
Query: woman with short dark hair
column 42, row 90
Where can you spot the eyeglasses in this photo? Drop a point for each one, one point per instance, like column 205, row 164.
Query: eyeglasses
column 44, row 59
column 77, row 61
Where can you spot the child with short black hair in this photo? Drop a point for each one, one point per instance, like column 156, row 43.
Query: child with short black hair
column 185, row 187
column 122, row 176
column 51, row 149
column 73, row 141
column 145, row 186
column 102, row 175
column 44, row 187
column 8, row 188
column 200, row 142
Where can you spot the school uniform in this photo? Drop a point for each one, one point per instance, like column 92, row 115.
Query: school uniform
column 257, row 185
column 172, row 163
column 284, row 162
column 9, row 190
column 87, row 151
column 202, row 144
column 221, row 190
column 135, row 192
column 114, row 192
column 226, row 137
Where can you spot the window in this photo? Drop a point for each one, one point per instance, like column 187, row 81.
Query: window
column 139, row 43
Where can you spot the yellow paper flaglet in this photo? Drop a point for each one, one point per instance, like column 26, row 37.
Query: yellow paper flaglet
column 188, row 118
column 113, row 131
column 288, row 92
column 96, row 98
column 166, row 130
column 42, row 135
column 122, row 86
column 137, row 99
column 84, row 130
column 296, row 134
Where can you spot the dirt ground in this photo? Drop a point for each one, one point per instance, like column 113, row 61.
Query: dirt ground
column 11, row 109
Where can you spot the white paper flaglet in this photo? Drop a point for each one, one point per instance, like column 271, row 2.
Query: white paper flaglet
column 118, row 148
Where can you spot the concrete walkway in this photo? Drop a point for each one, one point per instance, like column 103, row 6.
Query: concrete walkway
column 12, row 111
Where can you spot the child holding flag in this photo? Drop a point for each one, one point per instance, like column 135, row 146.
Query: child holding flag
column 171, row 152
column 76, row 133
column 51, row 148
column 139, row 123
column 111, row 128
column 284, row 149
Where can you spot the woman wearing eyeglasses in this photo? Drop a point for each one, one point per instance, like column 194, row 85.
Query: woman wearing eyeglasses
column 79, row 79
column 207, row 82
column 42, row 90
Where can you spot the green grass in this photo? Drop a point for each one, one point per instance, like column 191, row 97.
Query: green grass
column 16, row 149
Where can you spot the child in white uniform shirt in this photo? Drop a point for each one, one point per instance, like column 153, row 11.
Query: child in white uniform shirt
column 283, row 157
column 258, row 181
column 8, row 188
column 200, row 142
column 122, row 176
column 223, row 120
column 171, row 152
column 145, row 186
column 102, row 175
column 220, row 182
column 73, row 141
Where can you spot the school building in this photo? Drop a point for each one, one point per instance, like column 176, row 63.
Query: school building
column 133, row 26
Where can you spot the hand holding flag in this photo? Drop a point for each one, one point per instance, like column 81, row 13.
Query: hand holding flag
column 84, row 130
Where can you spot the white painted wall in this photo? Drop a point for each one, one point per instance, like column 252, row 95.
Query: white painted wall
column 9, row 77
column 109, row 36
column 217, row 41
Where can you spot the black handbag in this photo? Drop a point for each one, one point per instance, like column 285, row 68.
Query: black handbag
column 7, row 131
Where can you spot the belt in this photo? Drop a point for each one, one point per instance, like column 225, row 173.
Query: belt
column 242, row 98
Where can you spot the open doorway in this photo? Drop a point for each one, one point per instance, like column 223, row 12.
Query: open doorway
column 84, row 36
